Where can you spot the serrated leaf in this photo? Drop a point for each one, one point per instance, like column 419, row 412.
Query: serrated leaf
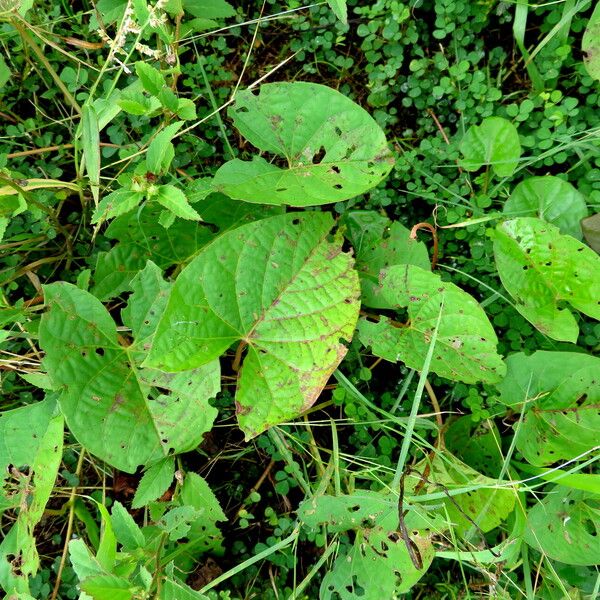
column 155, row 482
column 178, row 521
column 172, row 589
column 152, row 79
column 160, row 151
column 494, row 143
column 174, row 200
column 380, row 243
column 168, row 98
column 128, row 533
column 104, row 390
column 107, row 587
column 186, row 109
column 590, row 44
column 564, row 526
column 83, row 562
column 334, row 148
column 591, row 231
column 551, row 199
column 560, row 394
column 281, row 287
column 115, row 204
column 466, row 341
column 539, row 267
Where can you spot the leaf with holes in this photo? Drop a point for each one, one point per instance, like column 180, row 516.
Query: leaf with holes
column 564, row 526
column 539, row 267
column 125, row 415
column 560, row 394
column 333, row 149
column 466, row 342
column 278, row 286
column 377, row 566
column 380, row 243
column 494, row 143
column 551, row 199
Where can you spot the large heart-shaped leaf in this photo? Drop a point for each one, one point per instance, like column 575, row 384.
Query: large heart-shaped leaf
column 550, row 198
column 560, row 394
column 564, row 526
column 380, row 243
column 539, row 267
column 466, row 342
column 333, row 148
column 125, row 415
column 279, row 286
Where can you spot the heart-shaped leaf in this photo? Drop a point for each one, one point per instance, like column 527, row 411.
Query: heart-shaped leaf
column 142, row 414
column 279, row 286
column 560, row 394
column 333, row 148
column 539, row 267
column 466, row 342
column 552, row 199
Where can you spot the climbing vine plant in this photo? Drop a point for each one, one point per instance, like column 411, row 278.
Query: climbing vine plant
column 243, row 272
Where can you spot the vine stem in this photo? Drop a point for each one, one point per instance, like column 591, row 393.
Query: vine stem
column 71, row 502
column 432, row 229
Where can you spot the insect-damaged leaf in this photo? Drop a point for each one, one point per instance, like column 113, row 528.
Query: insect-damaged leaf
column 380, row 243
column 283, row 288
column 560, row 394
column 125, row 415
column 539, row 267
column 333, row 148
column 564, row 526
column 466, row 342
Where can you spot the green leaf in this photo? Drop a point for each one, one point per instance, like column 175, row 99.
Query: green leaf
column 209, row 9
column 107, row 587
column 482, row 503
column 588, row 482
column 495, row 143
column 90, row 142
column 466, row 341
column 284, row 290
column 590, row 44
column 564, row 526
column 83, row 562
column 178, row 521
column 152, row 79
column 168, row 98
column 5, row 73
column 135, row 103
column 186, row 109
column 160, row 151
column 591, row 231
column 172, row 589
column 376, row 567
column 539, row 268
column 560, row 393
column 141, row 237
column 155, row 482
column 104, row 390
column 174, row 200
column 334, row 149
column 128, row 533
column 117, row 203
column 551, row 199
column 21, row 432
column 339, row 10
column 380, row 243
